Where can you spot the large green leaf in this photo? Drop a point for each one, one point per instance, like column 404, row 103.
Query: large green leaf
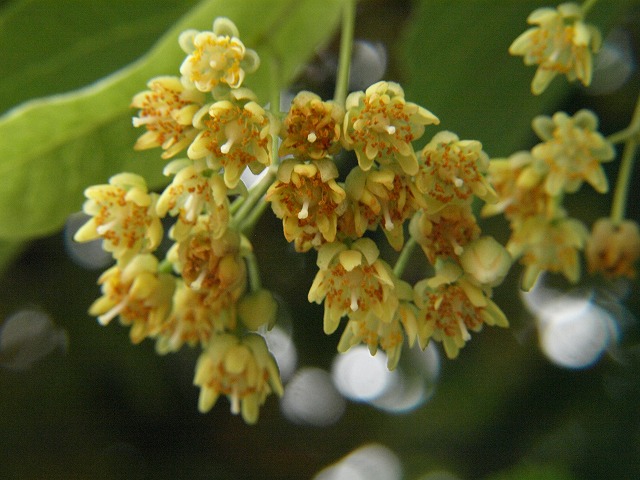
column 52, row 148
column 49, row 46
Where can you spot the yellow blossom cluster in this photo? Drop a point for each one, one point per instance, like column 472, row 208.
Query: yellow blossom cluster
column 531, row 186
column 339, row 175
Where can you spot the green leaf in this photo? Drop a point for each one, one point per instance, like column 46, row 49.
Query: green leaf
column 49, row 46
column 52, row 148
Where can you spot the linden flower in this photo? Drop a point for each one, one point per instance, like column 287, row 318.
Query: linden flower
column 383, row 197
column 553, row 245
column 518, row 183
column 449, row 306
column 444, row 234
column 217, row 57
column 138, row 294
column 123, row 215
column 384, row 334
column 195, row 317
column 312, row 127
column 572, row 151
column 235, row 134
column 380, row 126
column 353, row 280
column 308, row 200
column 453, row 170
column 240, row 368
column 166, row 111
column 561, row 43
column 192, row 192
column 485, row 261
column 212, row 264
column 613, row 249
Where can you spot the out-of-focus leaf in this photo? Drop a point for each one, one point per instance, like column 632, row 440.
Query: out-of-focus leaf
column 52, row 148
column 49, row 46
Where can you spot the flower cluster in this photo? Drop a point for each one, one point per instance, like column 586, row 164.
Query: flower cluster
column 201, row 294
column 206, row 292
column 531, row 186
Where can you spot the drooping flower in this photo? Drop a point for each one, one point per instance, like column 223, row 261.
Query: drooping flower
column 212, row 264
column 518, row 182
column 235, row 133
column 123, row 215
column 195, row 317
column 216, row 57
column 308, row 200
column 560, row 43
column 449, row 306
column 544, row 244
column 353, row 281
column 382, row 196
column 194, row 191
column 240, row 368
column 444, row 234
column 380, row 126
column 166, row 111
column 572, row 150
column 138, row 294
column 613, row 248
column 312, row 128
column 453, row 170
column 386, row 334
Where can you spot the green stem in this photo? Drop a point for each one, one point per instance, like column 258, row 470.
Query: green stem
column 252, row 217
column 623, row 181
column 254, row 196
column 633, row 130
column 255, row 283
column 403, row 259
column 165, row 266
column 621, row 193
column 346, row 45
column 588, row 5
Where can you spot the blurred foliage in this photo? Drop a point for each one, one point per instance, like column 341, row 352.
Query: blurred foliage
column 113, row 410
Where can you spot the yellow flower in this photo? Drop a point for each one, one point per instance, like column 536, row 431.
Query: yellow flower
column 572, row 151
column 453, row 170
column 216, row 57
column 380, row 126
column 166, row 111
column 561, row 43
column 240, row 368
column 196, row 316
column 444, row 234
column 312, row 127
column 382, row 196
column 613, row 248
column 449, row 306
column 353, row 280
column 235, row 133
column 548, row 244
column 212, row 264
column 485, row 261
column 308, row 200
column 138, row 294
column 386, row 334
column 520, row 189
column 194, row 191
column 123, row 215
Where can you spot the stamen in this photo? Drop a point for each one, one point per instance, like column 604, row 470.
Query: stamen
column 304, row 211
column 226, row 148
column 312, row 137
column 354, row 302
column 388, row 223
